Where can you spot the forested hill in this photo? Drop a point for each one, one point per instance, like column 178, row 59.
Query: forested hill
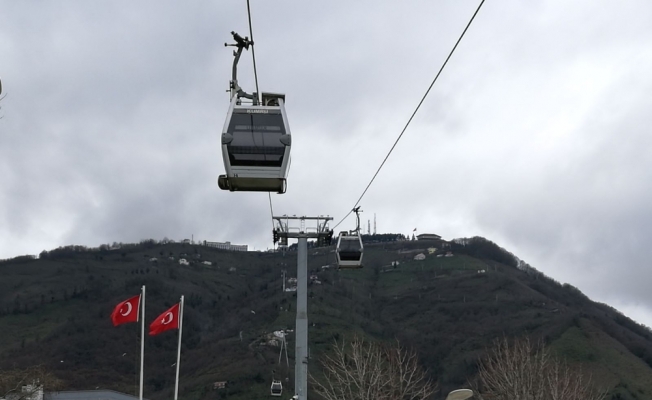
column 54, row 311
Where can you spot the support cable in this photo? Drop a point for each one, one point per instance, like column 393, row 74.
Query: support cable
column 253, row 52
column 253, row 56
column 413, row 114
column 271, row 209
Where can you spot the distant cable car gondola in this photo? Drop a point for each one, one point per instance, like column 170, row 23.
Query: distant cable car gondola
column 349, row 249
column 276, row 389
column 256, row 138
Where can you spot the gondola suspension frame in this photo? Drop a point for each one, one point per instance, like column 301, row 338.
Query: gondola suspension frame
column 256, row 138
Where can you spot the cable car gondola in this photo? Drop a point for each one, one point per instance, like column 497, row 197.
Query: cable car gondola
column 256, row 145
column 276, row 389
column 349, row 249
column 256, row 138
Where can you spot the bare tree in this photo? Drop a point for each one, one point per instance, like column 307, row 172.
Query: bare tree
column 26, row 384
column 526, row 372
column 364, row 370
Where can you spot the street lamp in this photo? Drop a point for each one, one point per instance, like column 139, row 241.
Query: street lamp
column 460, row 394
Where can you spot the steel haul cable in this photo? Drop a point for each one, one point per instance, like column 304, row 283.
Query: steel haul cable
column 253, row 56
column 413, row 114
column 253, row 51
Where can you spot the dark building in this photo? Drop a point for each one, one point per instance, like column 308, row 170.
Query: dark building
column 88, row 395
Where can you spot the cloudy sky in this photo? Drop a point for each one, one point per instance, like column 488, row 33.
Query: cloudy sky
column 535, row 136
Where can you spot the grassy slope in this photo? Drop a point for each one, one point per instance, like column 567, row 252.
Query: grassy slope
column 607, row 362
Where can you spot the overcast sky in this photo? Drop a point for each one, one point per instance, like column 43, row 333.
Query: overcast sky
column 536, row 136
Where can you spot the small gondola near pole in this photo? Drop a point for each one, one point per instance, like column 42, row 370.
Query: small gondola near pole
column 349, row 248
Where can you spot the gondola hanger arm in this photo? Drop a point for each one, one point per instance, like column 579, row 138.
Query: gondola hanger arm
column 235, row 89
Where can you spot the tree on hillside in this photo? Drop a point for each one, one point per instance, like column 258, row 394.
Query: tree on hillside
column 28, row 383
column 526, row 372
column 364, row 370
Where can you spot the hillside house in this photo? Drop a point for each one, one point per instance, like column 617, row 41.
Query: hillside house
column 88, row 395
column 183, row 261
column 408, row 251
column 32, row 391
column 207, row 263
column 420, row 257
column 219, row 385
column 449, row 254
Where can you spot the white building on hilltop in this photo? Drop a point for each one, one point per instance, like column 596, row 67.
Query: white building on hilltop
column 226, row 246
column 428, row 236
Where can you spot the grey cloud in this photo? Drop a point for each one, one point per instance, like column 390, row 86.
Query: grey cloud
column 535, row 136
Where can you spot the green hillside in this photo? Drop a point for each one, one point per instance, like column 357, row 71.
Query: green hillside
column 55, row 310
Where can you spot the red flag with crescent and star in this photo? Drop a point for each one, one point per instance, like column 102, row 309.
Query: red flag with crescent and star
column 127, row 311
column 166, row 321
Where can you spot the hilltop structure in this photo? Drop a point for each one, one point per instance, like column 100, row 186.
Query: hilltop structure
column 428, row 236
column 226, row 246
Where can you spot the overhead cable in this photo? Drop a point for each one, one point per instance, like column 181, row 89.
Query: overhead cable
column 253, row 51
column 413, row 114
column 253, row 56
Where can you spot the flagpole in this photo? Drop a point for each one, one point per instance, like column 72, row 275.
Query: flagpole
column 142, row 340
column 176, row 384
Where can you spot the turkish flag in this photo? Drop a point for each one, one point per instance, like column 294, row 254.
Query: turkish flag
column 127, row 311
column 166, row 321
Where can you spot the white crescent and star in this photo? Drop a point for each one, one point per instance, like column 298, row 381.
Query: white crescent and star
column 167, row 320
column 129, row 308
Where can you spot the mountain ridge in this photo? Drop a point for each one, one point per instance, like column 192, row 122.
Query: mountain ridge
column 442, row 306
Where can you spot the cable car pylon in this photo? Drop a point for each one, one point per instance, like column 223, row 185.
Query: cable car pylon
column 282, row 232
